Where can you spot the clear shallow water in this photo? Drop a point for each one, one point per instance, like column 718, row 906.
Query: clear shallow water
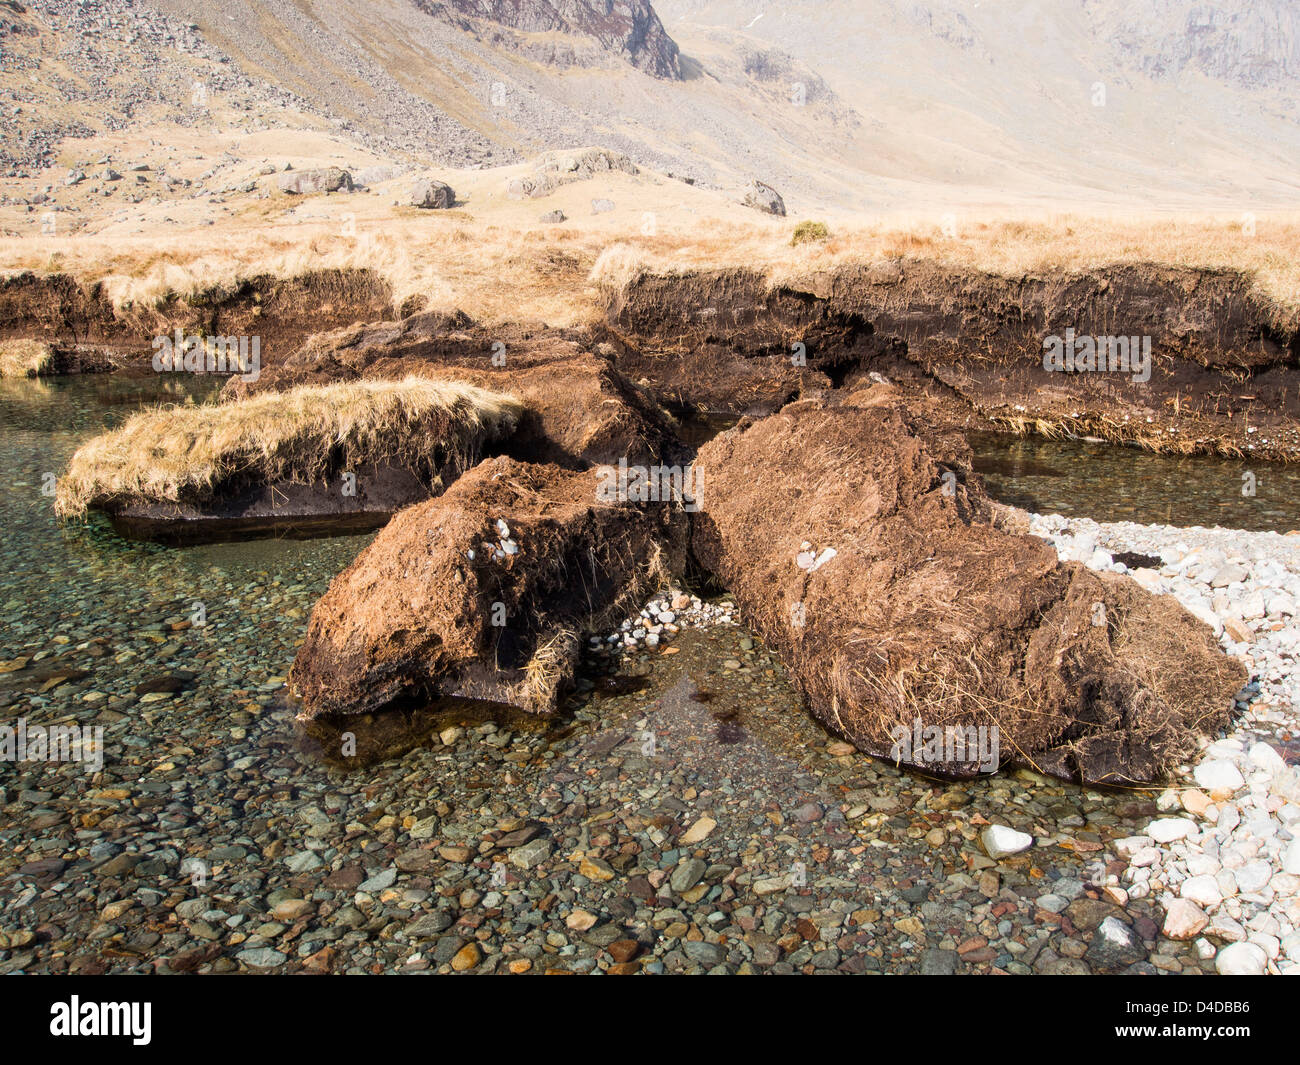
column 67, row 583
column 214, row 766
column 1108, row 483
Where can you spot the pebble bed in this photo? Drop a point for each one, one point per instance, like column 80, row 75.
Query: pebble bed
column 1223, row 860
column 682, row 813
column 696, row 822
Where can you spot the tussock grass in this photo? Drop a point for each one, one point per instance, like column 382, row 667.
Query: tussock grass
column 807, row 232
column 24, row 358
column 185, row 452
column 618, row 265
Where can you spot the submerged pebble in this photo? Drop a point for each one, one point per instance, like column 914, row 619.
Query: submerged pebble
column 696, row 820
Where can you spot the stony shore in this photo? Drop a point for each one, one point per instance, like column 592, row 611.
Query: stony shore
column 1223, row 859
column 680, row 816
column 686, row 821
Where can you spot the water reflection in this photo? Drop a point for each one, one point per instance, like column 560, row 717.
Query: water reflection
column 1109, row 483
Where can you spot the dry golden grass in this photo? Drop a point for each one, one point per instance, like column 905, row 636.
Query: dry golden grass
column 1008, row 247
column 24, row 358
column 499, row 266
column 179, row 452
column 1112, row 431
column 551, row 664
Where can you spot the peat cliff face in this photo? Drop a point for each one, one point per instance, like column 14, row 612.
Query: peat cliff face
column 1214, row 317
column 630, row 28
column 1220, row 376
column 282, row 311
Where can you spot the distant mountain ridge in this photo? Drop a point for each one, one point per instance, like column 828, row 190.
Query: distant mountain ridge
column 626, row 27
column 1251, row 43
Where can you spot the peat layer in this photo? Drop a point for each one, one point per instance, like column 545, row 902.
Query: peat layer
column 484, row 593
column 579, row 409
column 852, row 509
column 966, row 345
column 865, row 554
column 969, row 347
column 284, row 312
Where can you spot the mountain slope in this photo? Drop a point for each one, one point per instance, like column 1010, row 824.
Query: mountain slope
column 844, row 105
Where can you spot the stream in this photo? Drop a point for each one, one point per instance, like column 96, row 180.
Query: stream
column 181, row 655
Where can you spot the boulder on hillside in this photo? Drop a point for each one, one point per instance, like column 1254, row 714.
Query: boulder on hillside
column 763, row 197
column 867, row 558
column 484, row 593
column 563, row 168
column 307, row 182
column 432, row 194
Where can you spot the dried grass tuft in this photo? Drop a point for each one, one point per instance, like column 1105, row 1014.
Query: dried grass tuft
column 186, row 452
column 25, row 358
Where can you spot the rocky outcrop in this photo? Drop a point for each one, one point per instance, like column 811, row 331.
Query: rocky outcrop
column 762, row 197
column 630, row 28
column 307, row 182
column 563, row 168
column 1252, row 43
column 867, row 557
column 484, row 593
